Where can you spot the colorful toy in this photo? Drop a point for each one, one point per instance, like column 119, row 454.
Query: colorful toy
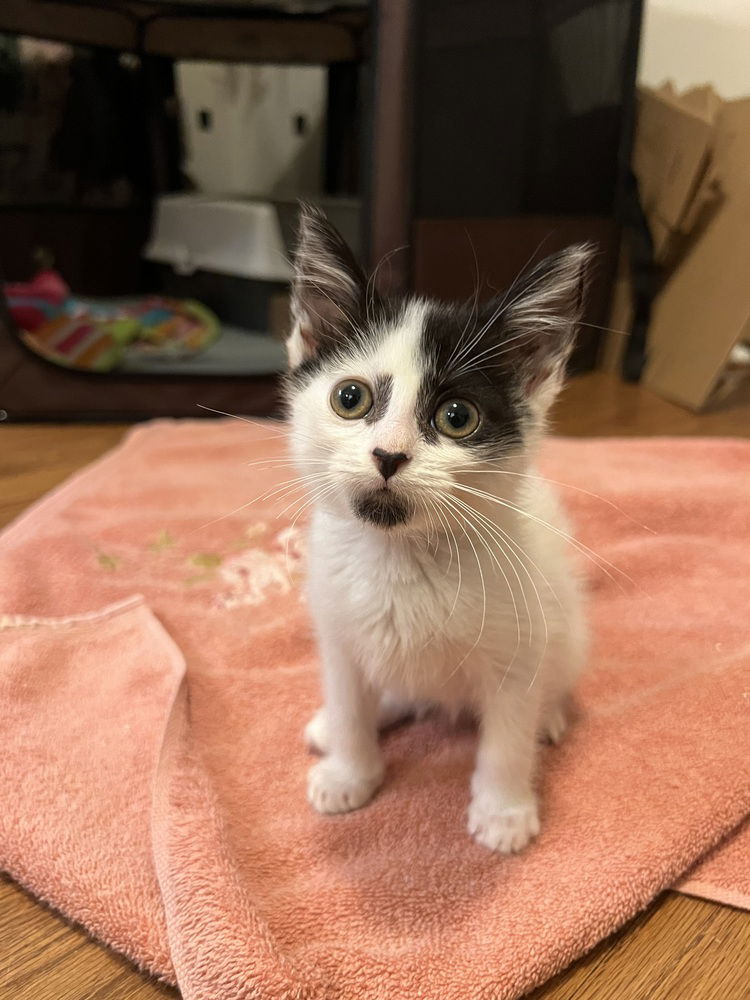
column 93, row 335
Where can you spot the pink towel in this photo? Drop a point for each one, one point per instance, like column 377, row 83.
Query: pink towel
column 724, row 875
column 153, row 774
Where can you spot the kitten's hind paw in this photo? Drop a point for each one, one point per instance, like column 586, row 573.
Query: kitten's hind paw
column 316, row 732
column 507, row 829
column 392, row 711
column 335, row 787
column 555, row 724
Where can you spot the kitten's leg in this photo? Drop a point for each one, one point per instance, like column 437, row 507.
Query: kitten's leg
column 353, row 770
column 565, row 659
column 391, row 711
column 503, row 814
column 559, row 678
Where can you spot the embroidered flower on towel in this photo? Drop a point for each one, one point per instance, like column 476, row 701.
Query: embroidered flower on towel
column 254, row 575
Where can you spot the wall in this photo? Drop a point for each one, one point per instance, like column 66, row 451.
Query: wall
column 693, row 42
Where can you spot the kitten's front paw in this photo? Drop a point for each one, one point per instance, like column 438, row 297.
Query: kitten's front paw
column 334, row 786
column 506, row 829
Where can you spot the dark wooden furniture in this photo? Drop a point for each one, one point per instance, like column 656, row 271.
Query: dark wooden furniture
column 99, row 249
column 480, row 136
column 501, row 132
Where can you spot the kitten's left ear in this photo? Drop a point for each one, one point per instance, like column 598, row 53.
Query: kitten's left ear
column 541, row 321
column 328, row 291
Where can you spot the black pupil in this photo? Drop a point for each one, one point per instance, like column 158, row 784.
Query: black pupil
column 350, row 396
column 457, row 415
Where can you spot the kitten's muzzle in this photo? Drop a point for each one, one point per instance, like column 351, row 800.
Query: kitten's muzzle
column 382, row 507
column 388, row 462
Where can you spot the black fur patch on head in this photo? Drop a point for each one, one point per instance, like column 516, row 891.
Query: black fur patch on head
column 382, row 508
column 450, row 374
column 381, row 394
column 498, row 357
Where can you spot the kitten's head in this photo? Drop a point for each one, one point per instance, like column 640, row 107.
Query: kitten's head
column 395, row 403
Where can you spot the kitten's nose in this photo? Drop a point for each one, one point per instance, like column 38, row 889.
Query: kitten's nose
column 388, row 462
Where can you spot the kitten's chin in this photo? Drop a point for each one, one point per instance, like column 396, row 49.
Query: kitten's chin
column 382, row 508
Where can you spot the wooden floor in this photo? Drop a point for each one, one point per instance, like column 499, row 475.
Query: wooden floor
column 679, row 949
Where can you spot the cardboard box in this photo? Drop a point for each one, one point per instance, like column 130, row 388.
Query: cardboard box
column 620, row 318
column 671, row 159
column 692, row 160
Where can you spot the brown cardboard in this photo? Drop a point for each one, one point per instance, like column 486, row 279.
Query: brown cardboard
column 671, row 154
column 620, row 318
column 704, row 307
column 692, row 160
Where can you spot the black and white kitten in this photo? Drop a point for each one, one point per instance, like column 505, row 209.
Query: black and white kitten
column 438, row 564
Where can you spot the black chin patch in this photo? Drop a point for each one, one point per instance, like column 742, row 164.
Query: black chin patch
column 381, row 508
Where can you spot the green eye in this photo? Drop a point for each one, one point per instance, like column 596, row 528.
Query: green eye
column 456, row 418
column 351, row 399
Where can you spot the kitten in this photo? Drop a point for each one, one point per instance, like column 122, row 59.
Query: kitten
column 438, row 565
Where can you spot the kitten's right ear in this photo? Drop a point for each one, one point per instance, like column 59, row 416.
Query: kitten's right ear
column 328, row 290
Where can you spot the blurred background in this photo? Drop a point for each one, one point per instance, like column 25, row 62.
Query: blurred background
column 152, row 155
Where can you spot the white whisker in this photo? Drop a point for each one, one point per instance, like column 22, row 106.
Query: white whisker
column 261, row 497
column 514, row 603
column 493, row 531
column 300, row 482
column 502, row 307
column 370, row 289
column 308, row 499
column 568, row 486
column 597, row 559
column 440, row 501
column 318, row 496
column 257, row 422
column 285, row 460
column 461, row 523
column 471, row 319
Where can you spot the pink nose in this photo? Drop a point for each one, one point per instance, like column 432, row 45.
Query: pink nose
column 388, row 462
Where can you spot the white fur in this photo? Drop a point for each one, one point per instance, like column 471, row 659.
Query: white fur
column 423, row 612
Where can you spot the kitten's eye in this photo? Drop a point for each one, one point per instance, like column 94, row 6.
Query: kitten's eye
column 456, row 418
column 351, row 399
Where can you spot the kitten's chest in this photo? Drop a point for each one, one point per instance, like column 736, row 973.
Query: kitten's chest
column 404, row 610
column 389, row 587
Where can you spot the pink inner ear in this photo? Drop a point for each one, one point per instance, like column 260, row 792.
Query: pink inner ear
column 308, row 338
